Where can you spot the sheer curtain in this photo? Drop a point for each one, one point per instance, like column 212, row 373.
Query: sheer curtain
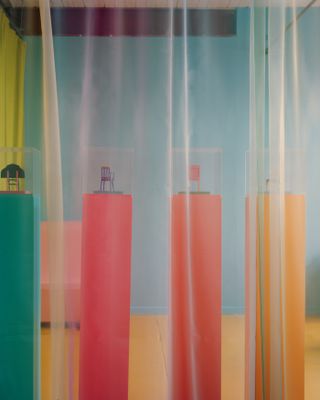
column 133, row 222
column 13, row 53
column 276, row 204
column 175, row 260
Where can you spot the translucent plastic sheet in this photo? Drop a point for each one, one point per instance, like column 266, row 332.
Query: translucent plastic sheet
column 175, row 229
column 54, row 257
column 141, row 179
column 277, row 215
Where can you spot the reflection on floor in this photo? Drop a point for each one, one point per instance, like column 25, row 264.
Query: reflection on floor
column 148, row 377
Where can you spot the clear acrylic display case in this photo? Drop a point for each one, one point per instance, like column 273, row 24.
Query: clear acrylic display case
column 197, row 170
column 109, row 170
column 266, row 179
column 20, row 170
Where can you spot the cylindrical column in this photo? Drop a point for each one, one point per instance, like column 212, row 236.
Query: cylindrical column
column 196, row 297
column 105, row 296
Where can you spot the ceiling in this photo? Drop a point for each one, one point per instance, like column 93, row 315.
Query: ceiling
column 211, row 4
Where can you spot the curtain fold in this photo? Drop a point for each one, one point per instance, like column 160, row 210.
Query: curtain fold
column 130, row 292
column 12, row 70
column 143, row 238
column 276, row 201
column 54, row 257
column 12, row 67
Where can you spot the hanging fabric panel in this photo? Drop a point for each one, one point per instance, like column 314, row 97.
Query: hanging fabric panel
column 276, row 220
column 12, row 68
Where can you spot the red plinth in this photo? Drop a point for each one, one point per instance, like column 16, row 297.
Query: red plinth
column 196, row 297
column 105, row 297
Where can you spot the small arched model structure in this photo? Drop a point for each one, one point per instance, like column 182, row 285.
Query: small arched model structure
column 12, row 172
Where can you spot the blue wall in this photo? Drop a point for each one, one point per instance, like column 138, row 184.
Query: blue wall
column 131, row 75
column 219, row 94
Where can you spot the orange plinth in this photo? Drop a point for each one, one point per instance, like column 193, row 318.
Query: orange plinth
column 105, row 297
column 294, row 296
column 196, row 297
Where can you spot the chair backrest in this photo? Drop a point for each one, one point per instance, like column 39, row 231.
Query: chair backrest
column 106, row 173
column 194, row 172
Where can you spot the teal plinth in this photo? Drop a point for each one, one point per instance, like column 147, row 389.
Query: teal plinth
column 19, row 297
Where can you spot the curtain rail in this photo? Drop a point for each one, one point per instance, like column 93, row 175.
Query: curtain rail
column 295, row 20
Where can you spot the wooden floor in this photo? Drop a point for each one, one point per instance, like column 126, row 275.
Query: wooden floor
column 148, row 370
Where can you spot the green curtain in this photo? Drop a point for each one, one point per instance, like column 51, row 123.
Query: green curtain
column 12, row 66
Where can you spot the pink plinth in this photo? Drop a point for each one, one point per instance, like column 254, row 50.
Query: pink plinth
column 105, row 297
column 196, row 297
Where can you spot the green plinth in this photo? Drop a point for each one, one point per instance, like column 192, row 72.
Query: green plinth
column 19, row 297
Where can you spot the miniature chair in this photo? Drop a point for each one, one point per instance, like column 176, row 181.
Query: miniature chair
column 194, row 174
column 106, row 176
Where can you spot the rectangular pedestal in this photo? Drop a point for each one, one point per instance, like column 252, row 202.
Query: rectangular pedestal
column 19, row 290
column 105, row 297
column 196, row 297
column 293, row 296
